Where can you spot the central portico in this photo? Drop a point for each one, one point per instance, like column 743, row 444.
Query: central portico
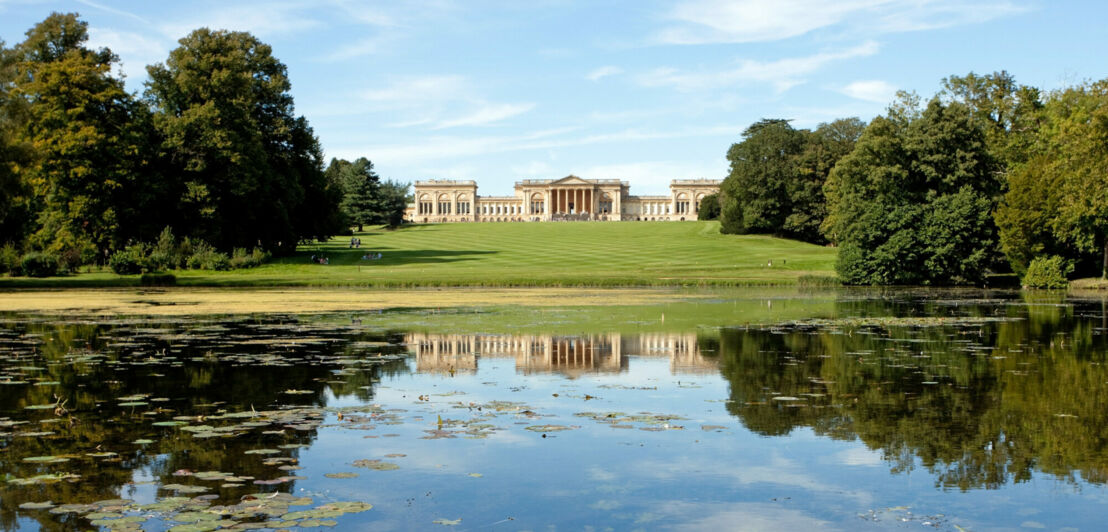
column 571, row 198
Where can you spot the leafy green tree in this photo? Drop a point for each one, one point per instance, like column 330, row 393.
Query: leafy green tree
column 15, row 195
column 1079, row 146
column 777, row 177
column 762, row 165
column 248, row 170
column 360, row 186
column 709, row 208
column 79, row 123
column 822, row 150
column 911, row 203
column 1006, row 111
column 393, row 200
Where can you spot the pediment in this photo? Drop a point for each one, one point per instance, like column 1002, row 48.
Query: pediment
column 571, row 180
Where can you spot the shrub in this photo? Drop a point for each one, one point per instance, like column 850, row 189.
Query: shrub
column 240, row 259
column 158, row 279
column 164, row 254
column 205, row 257
column 9, row 259
column 810, row 281
column 129, row 260
column 1047, row 272
column 37, row 264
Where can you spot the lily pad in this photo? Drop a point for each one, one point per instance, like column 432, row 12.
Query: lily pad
column 36, row 505
column 341, row 475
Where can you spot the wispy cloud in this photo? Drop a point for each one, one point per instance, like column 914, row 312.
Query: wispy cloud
column 110, row 9
column 782, row 73
column 729, row 21
column 135, row 50
column 603, row 72
column 488, row 113
column 426, row 89
column 876, row 91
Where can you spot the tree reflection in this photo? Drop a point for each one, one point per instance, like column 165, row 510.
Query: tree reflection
column 979, row 404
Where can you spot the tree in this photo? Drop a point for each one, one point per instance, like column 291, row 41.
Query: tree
column 911, row 203
column 761, row 167
column 248, row 170
column 1006, row 111
column 1079, row 145
column 393, row 201
column 78, row 121
column 15, row 196
column 709, row 208
column 822, row 150
column 777, row 177
column 360, row 189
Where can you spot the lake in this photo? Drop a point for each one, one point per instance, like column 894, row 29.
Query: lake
column 845, row 410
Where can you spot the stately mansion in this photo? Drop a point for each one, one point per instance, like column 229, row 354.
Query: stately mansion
column 568, row 198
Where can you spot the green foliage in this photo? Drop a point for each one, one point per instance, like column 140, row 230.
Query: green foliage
column 910, row 204
column 37, row 264
column 393, row 199
column 251, row 171
column 709, row 208
column 10, row 260
column 241, row 259
column 777, row 177
column 79, row 123
column 205, row 257
column 130, row 260
column 1048, row 272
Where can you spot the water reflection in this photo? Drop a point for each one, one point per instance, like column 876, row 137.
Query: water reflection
column 985, row 393
column 572, row 356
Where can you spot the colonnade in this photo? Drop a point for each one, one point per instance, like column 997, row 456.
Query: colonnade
column 582, row 200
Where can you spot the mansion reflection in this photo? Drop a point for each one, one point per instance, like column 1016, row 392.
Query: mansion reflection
column 572, row 355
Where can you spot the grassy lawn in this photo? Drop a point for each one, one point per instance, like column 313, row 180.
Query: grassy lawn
column 524, row 254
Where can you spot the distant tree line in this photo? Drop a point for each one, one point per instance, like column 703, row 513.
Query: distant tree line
column 987, row 176
column 212, row 149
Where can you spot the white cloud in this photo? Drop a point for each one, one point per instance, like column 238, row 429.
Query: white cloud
column 876, row 91
column 456, row 146
column 782, row 73
column 135, row 51
column 652, row 177
column 729, row 21
column 264, row 21
column 488, row 113
column 367, row 46
column 603, row 72
column 420, row 89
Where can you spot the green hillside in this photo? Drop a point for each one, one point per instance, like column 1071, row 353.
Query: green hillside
column 526, row 254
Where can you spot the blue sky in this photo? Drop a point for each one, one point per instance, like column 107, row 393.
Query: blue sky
column 645, row 91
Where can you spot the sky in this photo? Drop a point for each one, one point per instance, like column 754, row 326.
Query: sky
column 641, row 90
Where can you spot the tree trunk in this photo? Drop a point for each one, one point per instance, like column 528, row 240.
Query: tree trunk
column 1104, row 271
column 360, row 230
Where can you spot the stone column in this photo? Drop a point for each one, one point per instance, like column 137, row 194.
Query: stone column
column 435, row 202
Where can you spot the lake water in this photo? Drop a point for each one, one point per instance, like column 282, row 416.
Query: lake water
column 887, row 411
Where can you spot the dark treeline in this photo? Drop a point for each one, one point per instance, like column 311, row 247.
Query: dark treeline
column 988, row 176
column 212, row 149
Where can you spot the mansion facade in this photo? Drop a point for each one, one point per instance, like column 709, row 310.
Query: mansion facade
column 568, row 198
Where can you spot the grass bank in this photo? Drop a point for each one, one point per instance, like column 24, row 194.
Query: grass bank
column 613, row 254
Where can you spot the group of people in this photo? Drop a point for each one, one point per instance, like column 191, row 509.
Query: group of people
column 372, row 256
column 355, row 242
column 320, row 260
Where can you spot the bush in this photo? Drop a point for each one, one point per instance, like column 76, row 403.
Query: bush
column 129, row 260
column 158, row 279
column 812, row 281
column 205, row 257
column 1048, row 272
column 37, row 264
column 9, row 259
column 239, row 259
column 164, row 254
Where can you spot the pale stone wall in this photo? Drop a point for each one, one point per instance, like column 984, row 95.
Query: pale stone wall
column 570, row 198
